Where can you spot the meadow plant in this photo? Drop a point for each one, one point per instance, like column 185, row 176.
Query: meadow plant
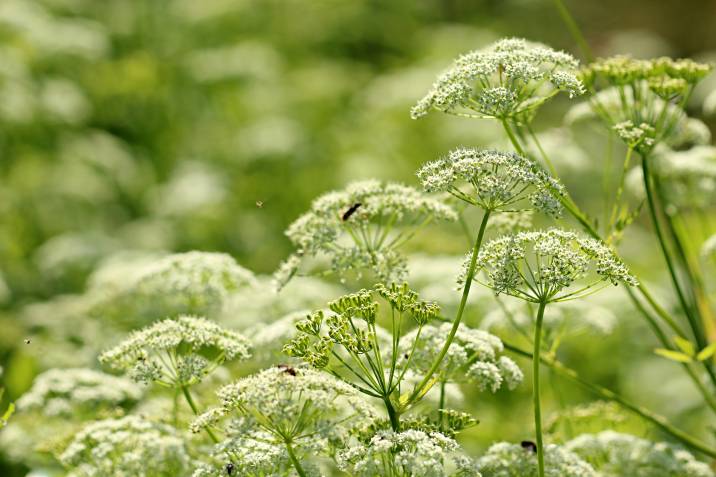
column 370, row 379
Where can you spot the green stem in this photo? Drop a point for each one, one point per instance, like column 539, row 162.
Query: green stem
column 294, row 460
column 441, row 404
column 610, row 395
column 695, row 328
column 574, row 30
column 535, row 388
column 392, row 414
column 421, row 388
column 195, row 410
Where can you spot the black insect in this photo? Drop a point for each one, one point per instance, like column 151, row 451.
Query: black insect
column 229, row 468
column 287, row 369
column 529, row 445
column 352, row 210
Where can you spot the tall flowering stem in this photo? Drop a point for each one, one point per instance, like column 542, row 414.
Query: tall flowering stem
column 427, row 381
column 535, row 387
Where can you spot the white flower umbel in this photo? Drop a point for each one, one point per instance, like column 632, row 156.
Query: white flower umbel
column 542, row 267
column 688, row 177
column 411, row 453
column 64, row 392
column 346, row 342
column 623, row 455
column 362, row 228
column 130, row 446
column 493, row 180
column 509, row 79
column 474, row 356
column 302, row 411
column 186, row 283
column 176, row 352
column 520, row 460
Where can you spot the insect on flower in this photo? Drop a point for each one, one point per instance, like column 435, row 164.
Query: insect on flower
column 352, row 210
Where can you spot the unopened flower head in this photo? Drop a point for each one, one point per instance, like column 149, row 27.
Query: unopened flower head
column 493, row 180
column 351, row 327
column 509, row 79
column 412, row 452
column 623, row 455
column 514, row 460
column 474, row 355
column 542, row 266
column 176, row 352
column 184, row 283
column 649, row 95
column 310, row 409
column 64, row 392
column 362, row 228
column 127, row 446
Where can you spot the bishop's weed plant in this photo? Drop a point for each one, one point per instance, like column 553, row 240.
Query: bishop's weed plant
column 188, row 364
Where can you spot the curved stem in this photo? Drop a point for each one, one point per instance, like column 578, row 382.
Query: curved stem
column 535, row 388
column 610, row 395
column 574, row 30
column 695, row 328
column 425, row 384
column 195, row 410
column 294, row 460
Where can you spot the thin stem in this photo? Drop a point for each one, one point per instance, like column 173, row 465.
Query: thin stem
column 421, row 388
column 574, row 30
column 535, row 388
column 294, row 460
column 604, row 393
column 441, row 403
column 195, row 410
column 392, row 414
column 695, row 328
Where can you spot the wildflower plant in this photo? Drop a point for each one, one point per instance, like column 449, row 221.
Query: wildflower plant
column 544, row 267
column 508, row 80
column 412, row 452
column 177, row 353
column 126, row 446
column 346, row 343
column 518, row 460
column 292, row 413
column 621, row 455
column 362, row 228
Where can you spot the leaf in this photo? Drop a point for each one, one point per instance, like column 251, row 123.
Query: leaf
column 685, row 345
column 707, row 352
column 673, row 355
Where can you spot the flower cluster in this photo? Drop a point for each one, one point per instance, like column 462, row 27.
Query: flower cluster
column 362, row 227
column 649, row 95
column 130, row 446
column 285, row 406
column 186, row 283
column 514, row 460
column 474, row 354
column 539, row 265
column 623, row 455
column 176, row 352
column 509, row 79
column 411, row 452
column 496, row 180
column 61, row 392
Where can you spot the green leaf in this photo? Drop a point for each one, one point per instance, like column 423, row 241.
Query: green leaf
column 707, row 352
column 685, row 345
column 673, row 355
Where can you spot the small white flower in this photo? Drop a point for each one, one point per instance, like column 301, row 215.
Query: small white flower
column 513, row 460
column 176, row 352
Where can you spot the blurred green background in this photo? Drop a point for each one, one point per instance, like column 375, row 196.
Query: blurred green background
column 172, row 125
